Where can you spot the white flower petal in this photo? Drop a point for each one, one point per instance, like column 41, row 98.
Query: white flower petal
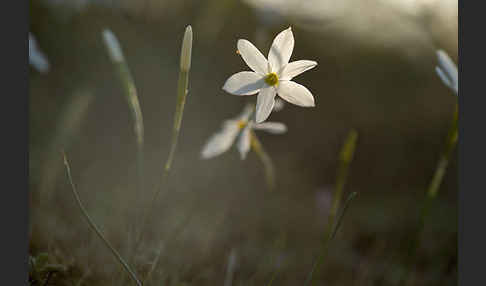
column 36, row 58
column 295, row 93
column 265, row 103
column 244, row 142
column 449, row 69
column 445, row 79
column 272, row 127
column 244, row 83
column 279, row 105
column 281, row 49
column 293, row 69
column 252, row 57
column 245, row 114
column 221, row 141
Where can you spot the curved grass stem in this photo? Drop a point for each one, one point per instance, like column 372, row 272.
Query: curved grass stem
column 93, row 226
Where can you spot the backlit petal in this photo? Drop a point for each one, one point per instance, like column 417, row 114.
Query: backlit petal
column 221, row 141
column 295, row 93
column 244, row 142
column 36, row 58
column 293, row 69
column 281, row 50
column 252, row 57
column 449, row 69
column 245, row 114
column 265, row 103
column 244, row 83
column 272, row 127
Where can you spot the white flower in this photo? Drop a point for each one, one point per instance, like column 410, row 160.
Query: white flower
column 36, row 58
column 447, row 71
column 271, row 77
column 242, row 126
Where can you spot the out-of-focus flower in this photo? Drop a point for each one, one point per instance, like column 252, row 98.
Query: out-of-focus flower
column 447, row 71
column 271, row 77
column 279, row 105
column 242, row 126
column 113, row 46
column 36, row 58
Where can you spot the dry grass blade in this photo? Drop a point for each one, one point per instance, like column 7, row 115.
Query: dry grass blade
column 95, row 228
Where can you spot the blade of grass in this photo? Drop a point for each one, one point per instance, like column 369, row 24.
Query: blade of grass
column 325, row 247
column 95, row 228
column 345, row 158
column 123, row 71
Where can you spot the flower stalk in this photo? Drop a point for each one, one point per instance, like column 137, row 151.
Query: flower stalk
column 266, row 160
column 345, row 158
column 433, row 188
column 182, row 90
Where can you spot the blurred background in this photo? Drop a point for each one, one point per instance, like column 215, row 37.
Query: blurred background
column 216, row 221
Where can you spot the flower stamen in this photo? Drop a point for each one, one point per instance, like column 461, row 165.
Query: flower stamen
column 271, row 79
column 241, row 124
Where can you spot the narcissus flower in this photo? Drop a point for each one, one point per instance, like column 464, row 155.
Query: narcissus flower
column 447, row 71
column 242, row 126
column 271, row 77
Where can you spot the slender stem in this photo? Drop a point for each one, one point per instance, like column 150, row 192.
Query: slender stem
column 274, row 275
column 266, row 160
column 451, row 142
column 182, row 90
column 345, row 158
column 433, row 188
column 95, row 228
column 183, row 81
column 178, row 229
column 325, row 246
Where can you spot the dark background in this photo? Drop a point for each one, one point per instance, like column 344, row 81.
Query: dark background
column 375, row 74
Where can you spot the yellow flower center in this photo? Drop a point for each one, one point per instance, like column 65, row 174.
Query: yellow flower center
column 241, row 124
column 271, row 79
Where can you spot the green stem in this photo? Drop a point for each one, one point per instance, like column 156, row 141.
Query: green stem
column 95, row 228
column 451, row 142
column 182, row 90
column 325, row 246
column 345, row 158
column 266, row 160
column 433, row 188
